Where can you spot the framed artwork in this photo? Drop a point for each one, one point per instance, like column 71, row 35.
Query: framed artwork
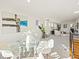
column 24, row 23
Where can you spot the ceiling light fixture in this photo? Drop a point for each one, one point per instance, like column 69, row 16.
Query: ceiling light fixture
column 76, row 12
column 28, row 1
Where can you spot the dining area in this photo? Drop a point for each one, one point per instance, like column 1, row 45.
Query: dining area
column 25, row 46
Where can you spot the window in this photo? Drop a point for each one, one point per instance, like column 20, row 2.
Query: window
column 65, row 26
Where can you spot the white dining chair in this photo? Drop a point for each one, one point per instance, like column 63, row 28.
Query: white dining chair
column 55, row 55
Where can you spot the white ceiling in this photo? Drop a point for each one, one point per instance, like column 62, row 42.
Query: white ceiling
column 60, row 9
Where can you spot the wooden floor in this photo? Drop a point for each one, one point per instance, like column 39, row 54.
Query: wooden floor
column 76, row 49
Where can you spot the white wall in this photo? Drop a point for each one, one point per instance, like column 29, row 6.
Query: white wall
column 9, row 35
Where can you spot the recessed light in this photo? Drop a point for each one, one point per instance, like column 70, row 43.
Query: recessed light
column 76, row 12
column 28, row 1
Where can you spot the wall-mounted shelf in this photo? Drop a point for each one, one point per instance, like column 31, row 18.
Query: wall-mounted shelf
column 9, row 25
column 16, row 20
column 8, row 19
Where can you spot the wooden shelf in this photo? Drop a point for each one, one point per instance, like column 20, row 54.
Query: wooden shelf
column 8, row 19
column 16, row 20
column 9, row 25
